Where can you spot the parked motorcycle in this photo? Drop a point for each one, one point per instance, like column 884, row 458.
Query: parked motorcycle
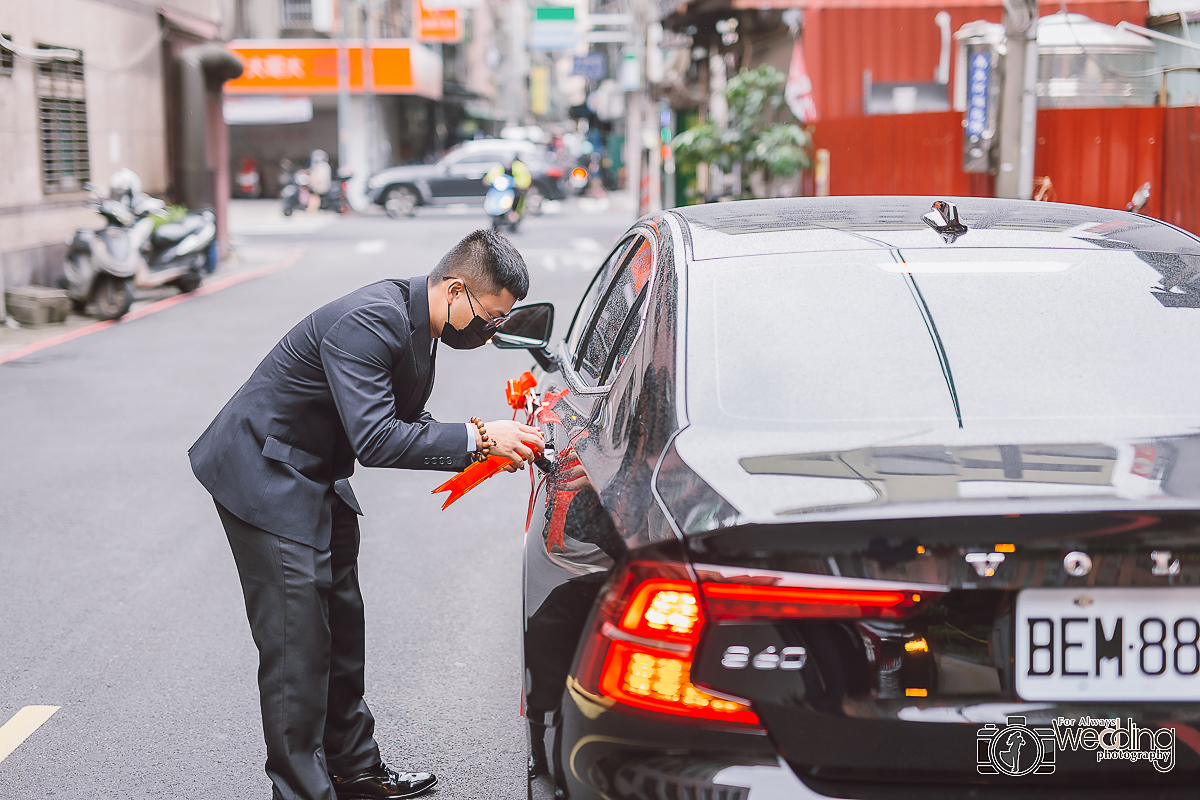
column 499, row 203
column 101, row 264
column 294, row 195
column 248, row 180
column 181, row 253
column 135, row 250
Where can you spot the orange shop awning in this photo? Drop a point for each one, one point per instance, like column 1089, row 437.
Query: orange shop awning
column 309, row 67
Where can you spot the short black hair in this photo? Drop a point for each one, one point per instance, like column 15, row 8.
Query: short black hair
column 488, row 262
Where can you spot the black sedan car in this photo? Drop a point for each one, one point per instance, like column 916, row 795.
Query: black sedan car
column 457, row 177
column 872, row 498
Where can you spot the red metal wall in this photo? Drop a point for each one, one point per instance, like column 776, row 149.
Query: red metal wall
column 1100, row 156
column 1096, row 157
column 1181, row 167
column 898, row 41
column 898, row 154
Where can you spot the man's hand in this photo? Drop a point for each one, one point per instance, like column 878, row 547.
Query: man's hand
column 516, row 442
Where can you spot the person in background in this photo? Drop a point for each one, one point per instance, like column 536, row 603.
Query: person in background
column 522, row 180
column 320, row 178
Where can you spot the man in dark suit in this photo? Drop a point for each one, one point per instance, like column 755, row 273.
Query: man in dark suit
column 349, row 382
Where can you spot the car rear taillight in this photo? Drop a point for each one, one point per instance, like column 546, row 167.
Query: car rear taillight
column 729, row 602
column 579, row 174
column 664, row 609
column 554, row 172
column 644, row 635
column 640, row 647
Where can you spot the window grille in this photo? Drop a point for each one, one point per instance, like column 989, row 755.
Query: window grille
column 62, row 113
column 6, row 58
column 295, row 13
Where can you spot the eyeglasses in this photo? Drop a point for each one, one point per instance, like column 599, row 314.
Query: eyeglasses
column 493, row 323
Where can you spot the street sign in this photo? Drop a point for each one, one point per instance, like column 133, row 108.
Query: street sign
column 309, row 67
column 552, row 28
column 592, row 66
column 631, row 73
column 977, row 94
column 438, row 25
column 539, row 91
column 979, row 121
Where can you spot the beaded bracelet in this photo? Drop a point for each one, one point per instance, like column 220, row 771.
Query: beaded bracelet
column 485, row 448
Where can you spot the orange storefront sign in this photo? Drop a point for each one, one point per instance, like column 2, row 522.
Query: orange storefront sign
column 442, row 25
column 287, row 67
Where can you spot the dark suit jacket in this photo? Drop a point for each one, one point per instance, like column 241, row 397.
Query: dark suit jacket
column 350, row 381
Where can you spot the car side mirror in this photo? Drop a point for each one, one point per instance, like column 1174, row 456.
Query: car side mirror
column 528, row 328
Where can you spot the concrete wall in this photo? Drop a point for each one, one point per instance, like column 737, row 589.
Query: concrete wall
column 122, row 51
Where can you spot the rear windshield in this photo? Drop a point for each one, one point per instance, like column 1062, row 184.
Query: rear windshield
column 847, row 339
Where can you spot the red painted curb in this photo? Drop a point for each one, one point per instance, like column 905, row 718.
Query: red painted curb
column 161, row 305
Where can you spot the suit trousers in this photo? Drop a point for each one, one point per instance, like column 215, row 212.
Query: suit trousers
column 306, row 617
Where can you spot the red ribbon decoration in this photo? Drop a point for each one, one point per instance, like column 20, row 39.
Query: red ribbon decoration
column 518, row 392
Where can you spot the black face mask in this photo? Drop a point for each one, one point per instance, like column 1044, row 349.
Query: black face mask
column 470, row 337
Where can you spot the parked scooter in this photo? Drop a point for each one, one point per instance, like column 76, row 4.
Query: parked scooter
column 103, row 267
column 247, row 179
column 295, row 193
column 186, row 249
column 499, row 203
column 101, row 264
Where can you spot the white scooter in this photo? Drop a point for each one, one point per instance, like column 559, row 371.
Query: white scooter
column 136, row 250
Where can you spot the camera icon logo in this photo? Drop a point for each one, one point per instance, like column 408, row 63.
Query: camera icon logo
column 1015, row 749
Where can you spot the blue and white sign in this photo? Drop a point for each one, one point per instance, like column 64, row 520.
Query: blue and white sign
column 592, row 66
column 978, row 77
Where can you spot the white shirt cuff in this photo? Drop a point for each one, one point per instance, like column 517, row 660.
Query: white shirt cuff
column 470, row 437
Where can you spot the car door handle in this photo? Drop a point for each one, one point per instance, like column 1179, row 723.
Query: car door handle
column 546, row 462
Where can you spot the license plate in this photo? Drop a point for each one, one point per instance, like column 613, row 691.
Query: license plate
column 1108, row 644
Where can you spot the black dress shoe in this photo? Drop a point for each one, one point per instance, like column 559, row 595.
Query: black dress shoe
column 382, row 783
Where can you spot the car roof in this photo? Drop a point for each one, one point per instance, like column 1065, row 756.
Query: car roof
column 815, row 224
column 498, row 144
column 826, row 332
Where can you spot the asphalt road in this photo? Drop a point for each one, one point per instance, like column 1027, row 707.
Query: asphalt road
column 119, row 599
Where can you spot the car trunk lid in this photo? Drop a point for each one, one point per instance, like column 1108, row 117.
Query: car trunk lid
column 962, row 649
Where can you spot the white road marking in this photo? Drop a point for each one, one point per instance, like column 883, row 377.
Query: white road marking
column 21, row 727
column 585, row 244
column 458, row 209
column 549, row 262
column 594, row 205
column 370, row 246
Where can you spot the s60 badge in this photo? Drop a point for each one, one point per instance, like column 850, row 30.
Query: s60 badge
column 787, row 658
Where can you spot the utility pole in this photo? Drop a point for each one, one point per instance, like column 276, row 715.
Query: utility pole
column 1018, row 101
column 518, row 12
column 637, row 163
column 343, row 72
column 368, row 69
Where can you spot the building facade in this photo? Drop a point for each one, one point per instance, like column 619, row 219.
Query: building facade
column 420, row 79
column 88, row 87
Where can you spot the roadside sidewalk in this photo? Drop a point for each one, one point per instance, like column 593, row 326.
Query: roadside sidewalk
column 244, row 262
